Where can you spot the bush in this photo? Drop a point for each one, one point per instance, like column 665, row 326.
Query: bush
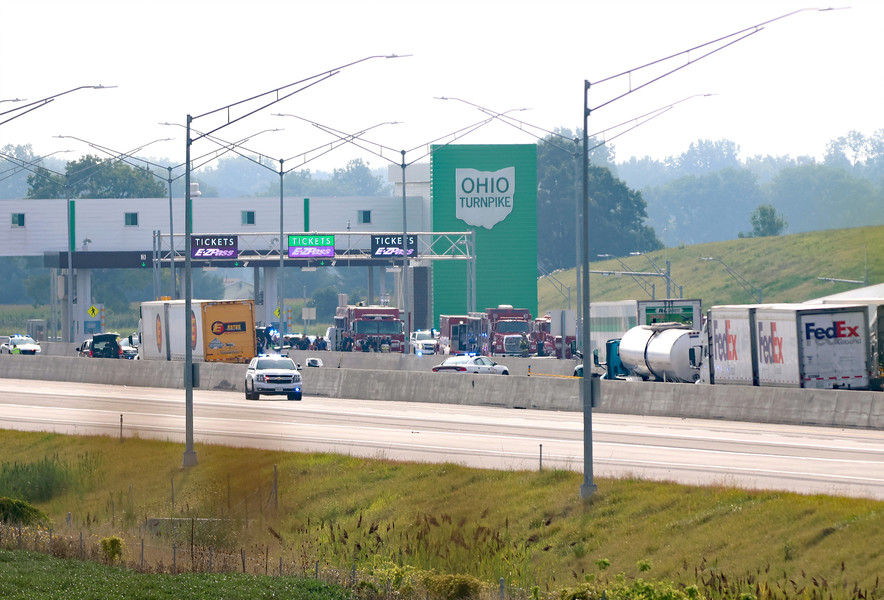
column 453, row 587
column 19, row 512
column 112, row 549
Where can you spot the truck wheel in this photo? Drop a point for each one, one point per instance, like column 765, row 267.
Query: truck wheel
column 251, row 395
column 295, row 396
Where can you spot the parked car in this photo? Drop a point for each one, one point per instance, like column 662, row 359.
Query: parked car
column 129, row 349
column 101, row 345
column 470, row 364
column 20, row 344
column 273, row 375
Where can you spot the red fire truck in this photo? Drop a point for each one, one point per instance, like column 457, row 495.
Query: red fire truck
column 505, row 328
column 548, row 344
column 370, row 328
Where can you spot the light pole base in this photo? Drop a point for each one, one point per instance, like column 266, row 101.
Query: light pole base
column 587, row 490
column 189, row 459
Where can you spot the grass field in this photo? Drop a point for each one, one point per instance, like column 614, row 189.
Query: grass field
column 785, row 268
column 393, row 522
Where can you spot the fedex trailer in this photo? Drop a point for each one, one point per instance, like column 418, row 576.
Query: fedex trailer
column 789, row 345
column 813, row 346
column 728, row 356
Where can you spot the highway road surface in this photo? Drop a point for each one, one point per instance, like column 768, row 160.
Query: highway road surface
column 848, row 462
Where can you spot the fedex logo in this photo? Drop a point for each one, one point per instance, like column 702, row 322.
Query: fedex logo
column 725, row 342
column 770, row 346
column 839, row 329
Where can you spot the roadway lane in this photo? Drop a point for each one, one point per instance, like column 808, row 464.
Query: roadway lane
column 846, row 462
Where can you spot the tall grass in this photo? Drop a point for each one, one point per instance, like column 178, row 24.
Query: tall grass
column 397, row 521
column 48, row 477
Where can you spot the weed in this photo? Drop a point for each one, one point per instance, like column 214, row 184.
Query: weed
column 112, row 549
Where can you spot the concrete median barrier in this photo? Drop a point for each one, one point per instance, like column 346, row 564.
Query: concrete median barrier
column 832, row 408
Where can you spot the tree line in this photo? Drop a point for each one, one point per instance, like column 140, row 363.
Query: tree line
column 706, row 194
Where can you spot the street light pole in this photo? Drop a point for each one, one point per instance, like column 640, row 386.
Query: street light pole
column 122, row 156
column 405, row 305
column 577, row 154
column 44, row 101
column 739, row 278
column 189, row 458
column 280, row 297
column 589, row 487
column 667, row 274
column 173, row 283
column 352, row 139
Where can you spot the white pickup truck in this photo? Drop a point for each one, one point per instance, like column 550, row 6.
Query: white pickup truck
column 423, row 342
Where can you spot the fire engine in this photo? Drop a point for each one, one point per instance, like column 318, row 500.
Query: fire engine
column 505, row 328
column 368, row 328
column 548, row 344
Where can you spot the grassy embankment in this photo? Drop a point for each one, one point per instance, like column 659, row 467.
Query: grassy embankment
column 393, row 521
column 785, row 268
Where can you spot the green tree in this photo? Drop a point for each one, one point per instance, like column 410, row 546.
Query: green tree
column 37, row 288
column 703, row 208
column 617, row 212
column 705, row 155
column 326, row 301
column 94, row 177
column 850, row 149
column 814, row 197
column 765, row 222
column 356, row 179
column 13, row 183
column 15, row 272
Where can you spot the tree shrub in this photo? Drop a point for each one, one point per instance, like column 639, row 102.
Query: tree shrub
column 19, row 512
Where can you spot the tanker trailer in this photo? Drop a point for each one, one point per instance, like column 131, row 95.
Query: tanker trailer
column 662, row 352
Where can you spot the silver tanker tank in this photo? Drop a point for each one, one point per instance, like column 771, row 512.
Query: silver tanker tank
column 661, row 352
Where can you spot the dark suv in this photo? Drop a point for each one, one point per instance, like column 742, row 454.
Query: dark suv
column 101, row 345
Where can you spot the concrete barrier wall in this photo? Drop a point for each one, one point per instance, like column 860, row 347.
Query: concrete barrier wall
column 384, row 362
column 832, row 408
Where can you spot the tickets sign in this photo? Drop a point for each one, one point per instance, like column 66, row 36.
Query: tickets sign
column 214, row 246
column 311, row 246
column 391, row 245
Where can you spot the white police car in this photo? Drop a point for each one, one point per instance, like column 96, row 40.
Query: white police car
column 20, row 344
column 273, row 375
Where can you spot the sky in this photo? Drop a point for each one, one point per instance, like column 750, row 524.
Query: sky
column 788, row 89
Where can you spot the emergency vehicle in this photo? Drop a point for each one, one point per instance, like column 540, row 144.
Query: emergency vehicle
column 370, row 328
column 505, row 328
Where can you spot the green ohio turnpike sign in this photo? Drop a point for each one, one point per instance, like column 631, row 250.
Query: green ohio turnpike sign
column 490, row 190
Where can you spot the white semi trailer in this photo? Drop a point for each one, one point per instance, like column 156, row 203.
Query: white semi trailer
column 790, row 345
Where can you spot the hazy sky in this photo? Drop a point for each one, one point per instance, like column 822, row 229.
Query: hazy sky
column 788, row 89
